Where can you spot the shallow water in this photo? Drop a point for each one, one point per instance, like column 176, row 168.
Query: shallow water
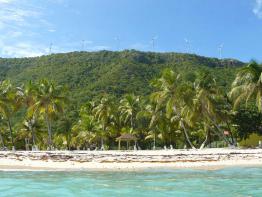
column 223, row 182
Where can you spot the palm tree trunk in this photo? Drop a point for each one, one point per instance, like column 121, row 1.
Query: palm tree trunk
column 186, row 135
column 49, row 129
column 206, row 139
column 102, row 136
column 102, row 143
column 50, row 134
column 11, row 132
column 231, row 135
column 132, row 123
column 154, row 141
column 68, row 141
column 2, row 141
column 32, row 131
column 221, row 133
column 184, row 128
column 204, row 143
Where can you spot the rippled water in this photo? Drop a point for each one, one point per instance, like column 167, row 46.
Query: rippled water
column 225, row 182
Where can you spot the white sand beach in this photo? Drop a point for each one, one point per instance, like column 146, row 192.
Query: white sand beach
column 128, row 160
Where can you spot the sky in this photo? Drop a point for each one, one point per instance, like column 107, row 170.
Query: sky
column 214, row 28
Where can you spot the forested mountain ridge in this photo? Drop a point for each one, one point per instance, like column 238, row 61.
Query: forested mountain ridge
column 162, row 98
column 90, row 74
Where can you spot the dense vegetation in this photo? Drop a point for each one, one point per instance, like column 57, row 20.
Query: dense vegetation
column 84, row 100
column 90, row 74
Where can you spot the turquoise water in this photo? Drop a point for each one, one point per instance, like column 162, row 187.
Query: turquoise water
column 225, row 182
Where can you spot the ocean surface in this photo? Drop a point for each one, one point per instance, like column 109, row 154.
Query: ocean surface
column 224, row 182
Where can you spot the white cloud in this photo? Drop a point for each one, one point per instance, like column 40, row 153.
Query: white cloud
column 22, row 49
column 20, row 22
column 13, row 14
column 6, row 1
column 23, row 25
column 257, row 10
column 61, row 2
column 51, row 30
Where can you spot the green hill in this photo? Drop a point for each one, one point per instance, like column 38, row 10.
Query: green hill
column 89, row 74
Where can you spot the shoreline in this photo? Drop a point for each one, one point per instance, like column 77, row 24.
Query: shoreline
column 209, row 159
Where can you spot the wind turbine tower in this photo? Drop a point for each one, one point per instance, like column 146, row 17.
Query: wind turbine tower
column 188, row 45
column 83, row 45
column 117, row 43
column 50, row 48
column 153, row 42
column 220, row 49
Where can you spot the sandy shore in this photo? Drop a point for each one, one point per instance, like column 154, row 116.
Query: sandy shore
column 129, row 160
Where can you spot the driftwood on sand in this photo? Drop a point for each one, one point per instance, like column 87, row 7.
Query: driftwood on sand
column 129, row 158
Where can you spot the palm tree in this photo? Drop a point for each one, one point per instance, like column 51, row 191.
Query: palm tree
column 28, row 94
column 248, row 85
column 2, row 128
column 129, row 107
column 168, row 95
column 9, row 104
column 50, row 100
column 31, row 125
column 85, row 131
column 152, row 113
column 205, row 105
column 117, row 126
column 103, row 113
column 64, row 126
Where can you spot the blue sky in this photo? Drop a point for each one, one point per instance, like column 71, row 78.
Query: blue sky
column 27, row 27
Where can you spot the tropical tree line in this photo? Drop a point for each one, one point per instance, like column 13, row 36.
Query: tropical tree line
column 181, row 112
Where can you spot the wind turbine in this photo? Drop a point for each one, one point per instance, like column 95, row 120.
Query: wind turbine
column 117, row 43
column 220, row 49
column 83, row 45
column 153, row 42
column 50, row 48
column 188, row 45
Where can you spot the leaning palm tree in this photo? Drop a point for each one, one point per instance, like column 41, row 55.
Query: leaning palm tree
column 50, row 100
column 205, row 108
column 248, row 85
column 169, row 96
